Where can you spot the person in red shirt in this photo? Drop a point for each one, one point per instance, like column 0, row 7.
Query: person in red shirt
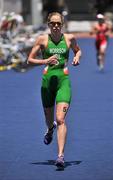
column 102, row 30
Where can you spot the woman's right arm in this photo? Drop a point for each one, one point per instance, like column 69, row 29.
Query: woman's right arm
column 33, row 54
column 36, row 49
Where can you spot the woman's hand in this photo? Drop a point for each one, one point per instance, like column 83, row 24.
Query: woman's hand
column 53, row 60
column 75, row 61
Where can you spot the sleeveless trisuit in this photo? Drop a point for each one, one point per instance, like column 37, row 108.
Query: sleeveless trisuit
column 56, row 85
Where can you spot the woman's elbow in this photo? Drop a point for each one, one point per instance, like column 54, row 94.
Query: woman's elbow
column 29, row 60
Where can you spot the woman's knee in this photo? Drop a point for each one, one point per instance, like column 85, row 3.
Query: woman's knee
column 60, row 120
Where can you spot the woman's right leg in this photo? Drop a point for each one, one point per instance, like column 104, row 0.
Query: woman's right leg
column 49, row 116
column 48, row 101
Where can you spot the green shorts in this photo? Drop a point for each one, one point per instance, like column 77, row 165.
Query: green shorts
column 55, row 88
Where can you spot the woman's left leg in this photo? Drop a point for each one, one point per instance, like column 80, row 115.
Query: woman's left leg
column 61, row 110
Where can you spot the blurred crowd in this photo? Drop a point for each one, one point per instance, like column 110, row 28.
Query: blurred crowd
column 16, row 40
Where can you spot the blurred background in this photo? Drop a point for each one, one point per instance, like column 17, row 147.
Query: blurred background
column 77, row 10
column 21, row 21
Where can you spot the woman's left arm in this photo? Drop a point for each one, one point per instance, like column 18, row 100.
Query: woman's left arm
column 77, row 51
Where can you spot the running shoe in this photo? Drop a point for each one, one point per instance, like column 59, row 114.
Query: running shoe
column 60, row 162
column 48, row 137
column 101, row 67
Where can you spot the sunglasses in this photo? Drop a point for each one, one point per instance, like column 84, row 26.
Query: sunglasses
column 54, row 23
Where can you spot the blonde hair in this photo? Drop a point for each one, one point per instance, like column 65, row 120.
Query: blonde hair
column 54, row 14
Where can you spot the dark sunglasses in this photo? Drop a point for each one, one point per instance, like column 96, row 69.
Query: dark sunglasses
column 54, row 23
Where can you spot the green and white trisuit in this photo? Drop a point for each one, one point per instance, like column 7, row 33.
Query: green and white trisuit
column 56, row 85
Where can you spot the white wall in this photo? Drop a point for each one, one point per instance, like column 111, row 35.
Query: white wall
column 12, row 5
column 36, row 12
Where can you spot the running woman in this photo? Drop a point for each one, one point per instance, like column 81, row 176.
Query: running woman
column 102, row 31
column 56, row 87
